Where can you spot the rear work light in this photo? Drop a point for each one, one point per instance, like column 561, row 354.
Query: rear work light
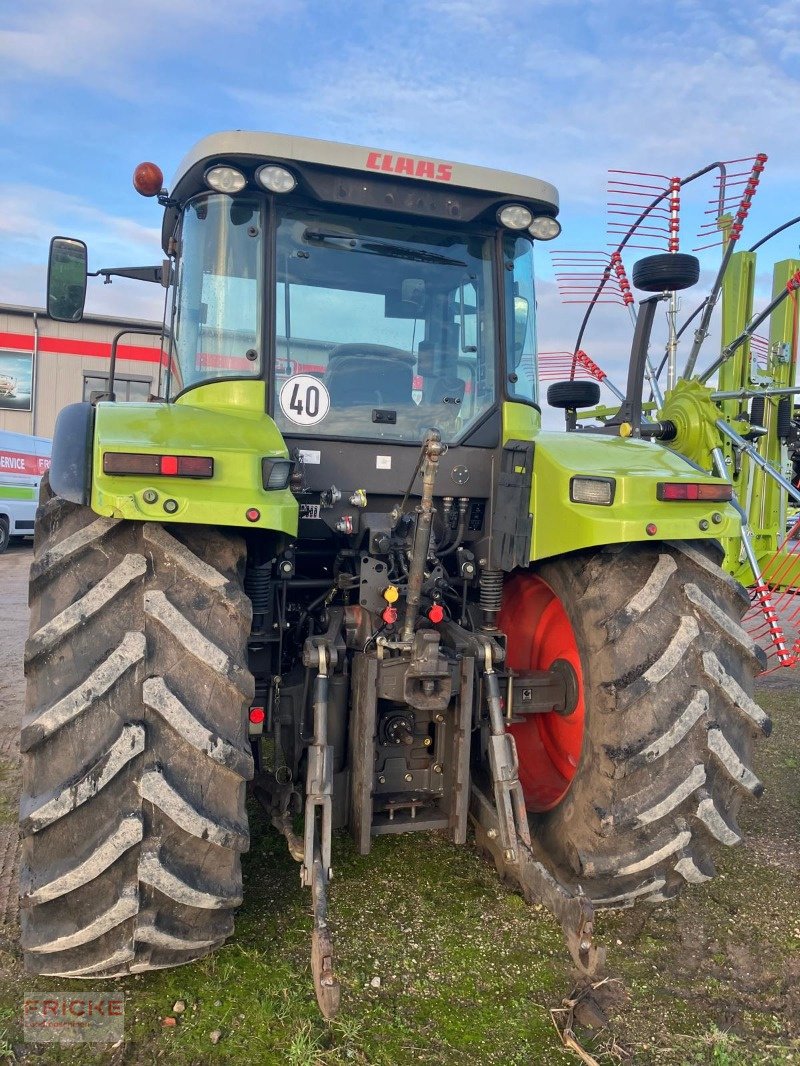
column 275, row 178
column 158, row 465
column 596, row 490
column 275, row 473
column 694, row 491
column 222, row 178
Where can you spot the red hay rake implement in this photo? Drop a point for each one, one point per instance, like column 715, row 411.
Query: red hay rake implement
column 644, row 212
column 773, row 619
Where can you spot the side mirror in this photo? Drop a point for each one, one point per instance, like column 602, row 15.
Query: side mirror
column 66, row 279
column 521, row 313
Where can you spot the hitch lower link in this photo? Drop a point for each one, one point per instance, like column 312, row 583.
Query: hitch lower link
column 502, row 831
column 315, row 872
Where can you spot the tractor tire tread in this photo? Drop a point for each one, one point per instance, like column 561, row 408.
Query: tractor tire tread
column 137, row 661
column 671, row 721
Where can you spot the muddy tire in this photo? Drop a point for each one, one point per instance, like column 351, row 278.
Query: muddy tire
column 668, row 719
column 134, row 744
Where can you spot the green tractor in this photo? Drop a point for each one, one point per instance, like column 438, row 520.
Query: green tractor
column 337, row 557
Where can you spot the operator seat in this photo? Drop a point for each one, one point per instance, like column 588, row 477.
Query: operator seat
column 369, row 375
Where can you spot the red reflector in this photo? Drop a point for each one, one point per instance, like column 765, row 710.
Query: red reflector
column 694, row 491
column 195, row 466
column 257, row 715
column 130, row 463
column 169, row 465
column 252, row 515
column 651, row 529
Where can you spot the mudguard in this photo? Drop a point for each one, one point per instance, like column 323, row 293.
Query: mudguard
column 71, row 464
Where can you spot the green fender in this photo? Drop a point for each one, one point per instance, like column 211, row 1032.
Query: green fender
column 636, row 467
column 225, row 420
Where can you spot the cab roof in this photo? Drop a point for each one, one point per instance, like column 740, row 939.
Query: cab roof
column 243, row 146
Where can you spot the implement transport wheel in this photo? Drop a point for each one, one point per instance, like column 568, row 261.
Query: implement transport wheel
column 631, row 792
column 666, row 272
column 134, row 745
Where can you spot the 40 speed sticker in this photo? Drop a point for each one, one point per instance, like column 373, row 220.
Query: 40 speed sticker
column 304, row 400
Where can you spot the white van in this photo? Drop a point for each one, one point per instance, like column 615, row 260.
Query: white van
column 23, row 460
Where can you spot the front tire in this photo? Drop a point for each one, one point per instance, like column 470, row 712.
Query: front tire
column 668, row 718
column 134, row 745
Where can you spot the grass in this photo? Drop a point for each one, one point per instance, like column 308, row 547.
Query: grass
column 467, row 972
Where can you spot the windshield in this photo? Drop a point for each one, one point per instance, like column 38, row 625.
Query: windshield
column 217, row 322
column 383, row 329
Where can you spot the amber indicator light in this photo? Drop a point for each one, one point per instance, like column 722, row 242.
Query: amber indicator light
column 148, row 179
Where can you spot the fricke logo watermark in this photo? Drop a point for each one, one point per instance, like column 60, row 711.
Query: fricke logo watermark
column 74, row 1018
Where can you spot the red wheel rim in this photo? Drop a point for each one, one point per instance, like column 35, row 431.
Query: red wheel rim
column 549, row 745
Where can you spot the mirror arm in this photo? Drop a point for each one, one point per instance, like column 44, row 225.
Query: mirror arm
column 148, row 273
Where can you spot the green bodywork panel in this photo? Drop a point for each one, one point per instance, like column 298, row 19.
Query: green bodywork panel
column 225, row 420
column 737, row 311
column 762, row 498
column 637, row 466
column 520, row 421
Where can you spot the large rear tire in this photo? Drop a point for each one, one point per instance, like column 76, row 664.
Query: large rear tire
column 667, row 718
column 134, row 744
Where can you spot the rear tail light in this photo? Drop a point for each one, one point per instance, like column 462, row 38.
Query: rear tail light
column 694, row 491
column 195, row 466
column 257, row 717
column 158, row 465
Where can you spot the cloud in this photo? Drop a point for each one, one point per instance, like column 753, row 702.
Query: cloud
column 31, row 214
column 564, row 98
column 95, row 42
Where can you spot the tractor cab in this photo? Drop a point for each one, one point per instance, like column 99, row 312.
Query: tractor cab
column 373, row 306
column 369, row 303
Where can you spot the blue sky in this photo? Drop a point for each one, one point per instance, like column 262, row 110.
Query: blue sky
column 559, row 89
